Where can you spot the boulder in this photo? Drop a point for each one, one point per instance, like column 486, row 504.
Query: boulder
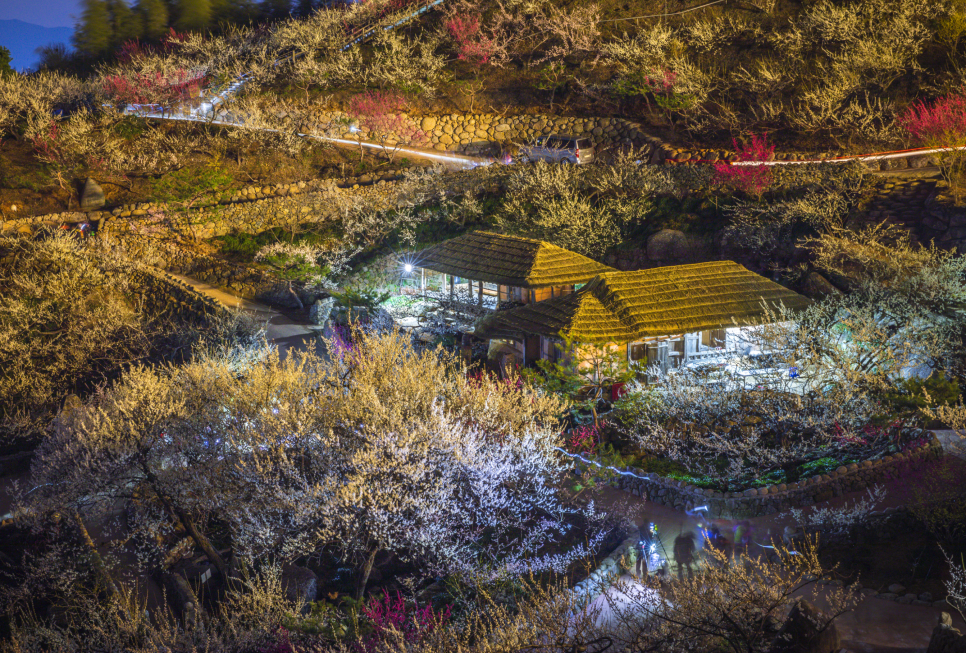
column 896, row 588
column 320, row 311
column 800, row 633
column 92, row 196
column 299, row 584
column 818, row 287
column 668, row 245
column 945, row 638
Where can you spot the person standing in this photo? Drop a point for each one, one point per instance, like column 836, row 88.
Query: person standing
column 643, row 550
column 684, row 554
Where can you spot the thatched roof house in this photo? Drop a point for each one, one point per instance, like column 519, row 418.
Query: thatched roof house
column 509, row 261
column 624, row 307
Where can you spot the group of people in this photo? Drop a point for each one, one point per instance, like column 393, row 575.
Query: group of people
column 685, row 547
column 684, row 552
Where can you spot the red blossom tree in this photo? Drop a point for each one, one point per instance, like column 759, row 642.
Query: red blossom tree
column 471, row 45
column 161, row 88
column 380, row 115
column 753, row 179
column 390, row 616
column 943, row 125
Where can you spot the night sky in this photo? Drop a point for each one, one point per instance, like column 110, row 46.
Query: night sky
column 26, row 25
column 47, row 13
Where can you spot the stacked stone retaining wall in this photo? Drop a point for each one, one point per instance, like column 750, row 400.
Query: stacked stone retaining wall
column 166, row 295
column 774, row 498
column 250, row 210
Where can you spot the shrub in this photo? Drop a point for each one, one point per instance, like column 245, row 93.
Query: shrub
column 393, row 620
column 752, row 179
column 942, row 125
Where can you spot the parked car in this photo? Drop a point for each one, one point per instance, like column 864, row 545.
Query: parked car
column 559, row 149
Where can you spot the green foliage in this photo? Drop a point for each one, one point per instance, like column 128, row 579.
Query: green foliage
column 914, row 394
column 330, row 620
column 674, row 101
column 129, row 127
column 193, row 15
column 935, row 497
column 188, row 184
column 153, row 15
column 125, row 24
column 245, row 246
column 5, row 59
column 93, row 35
column 408, row 88
column 584, row 374
column 293, row 263
column 370, row 298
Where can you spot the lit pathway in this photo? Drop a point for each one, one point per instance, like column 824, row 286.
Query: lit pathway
column 280, row 329
column 876, row 626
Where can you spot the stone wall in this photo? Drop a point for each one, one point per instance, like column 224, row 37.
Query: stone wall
column 487, row 133
column 250, row 210
column 607, row 572
column 774, row 498
column 166, row 295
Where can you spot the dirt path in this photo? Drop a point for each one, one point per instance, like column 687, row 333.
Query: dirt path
column 282, row 331
column 876, row 626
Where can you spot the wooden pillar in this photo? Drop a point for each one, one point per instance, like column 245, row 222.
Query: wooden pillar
column 480, row 294
column 451, row 282
column 422, row 280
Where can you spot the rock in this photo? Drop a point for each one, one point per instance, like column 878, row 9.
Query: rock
column 925, row 596
column 945, row 638
column 896, row 588
column 800, row 634
column 299, row 583
column 320, row 311
column 92, row 196
column 668, row 244
column 408, row 323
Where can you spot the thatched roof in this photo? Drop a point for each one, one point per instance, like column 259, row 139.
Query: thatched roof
column 509, row 260
column 630, row 306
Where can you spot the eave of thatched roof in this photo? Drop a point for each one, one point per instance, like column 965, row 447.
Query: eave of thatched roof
column 631, row 306
column 509, row 260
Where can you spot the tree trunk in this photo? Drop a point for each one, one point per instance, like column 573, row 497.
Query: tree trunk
column 366, row 568
column 296, row 296
column 96, row 559
column 203, row 543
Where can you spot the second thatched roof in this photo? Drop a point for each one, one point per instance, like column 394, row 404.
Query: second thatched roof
column 631, row 306
column 509, row 260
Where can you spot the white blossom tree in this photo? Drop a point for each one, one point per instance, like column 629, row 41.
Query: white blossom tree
column 375, row 448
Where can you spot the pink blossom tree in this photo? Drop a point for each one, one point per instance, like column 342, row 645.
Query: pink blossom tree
column 164, row 88
column 744, row 175
column 393, row 619
column 471, row 45
column 380, row 116
column 941, row 124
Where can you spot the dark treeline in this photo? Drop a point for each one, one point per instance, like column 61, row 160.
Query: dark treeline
column 105, row 25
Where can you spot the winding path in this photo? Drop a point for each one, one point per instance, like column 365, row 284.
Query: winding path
column 282, row 331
